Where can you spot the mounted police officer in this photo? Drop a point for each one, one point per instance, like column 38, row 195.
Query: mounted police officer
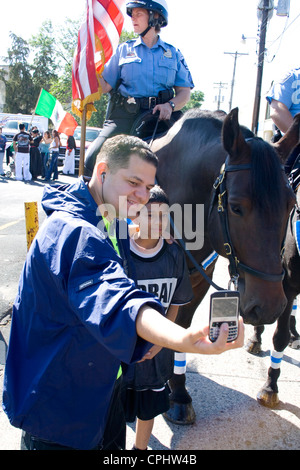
column 142, row 76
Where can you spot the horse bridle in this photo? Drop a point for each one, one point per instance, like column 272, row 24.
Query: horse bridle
column 220, row 192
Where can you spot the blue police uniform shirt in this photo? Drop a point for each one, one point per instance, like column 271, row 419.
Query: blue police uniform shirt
column 287, row 91
column 145, row 72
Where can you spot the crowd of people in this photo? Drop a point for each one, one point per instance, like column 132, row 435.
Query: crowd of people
column 35, row 154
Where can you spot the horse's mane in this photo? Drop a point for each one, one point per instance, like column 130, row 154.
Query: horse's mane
column 199, row 127
column 266, row 175
column 205, row 117
column 207, row 120
column 266, row 167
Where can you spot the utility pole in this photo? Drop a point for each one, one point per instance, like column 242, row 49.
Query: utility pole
column 235, row 55
column 261, row 57
column 220, row 85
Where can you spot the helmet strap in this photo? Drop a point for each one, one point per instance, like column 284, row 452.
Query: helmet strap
column 152, row 22
column 145, row 32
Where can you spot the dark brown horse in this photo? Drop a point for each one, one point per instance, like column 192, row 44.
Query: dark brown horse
column 286, row 332
column 250, row 197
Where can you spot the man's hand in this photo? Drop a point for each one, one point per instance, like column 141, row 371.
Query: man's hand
column 158, row 330
column 203, row 345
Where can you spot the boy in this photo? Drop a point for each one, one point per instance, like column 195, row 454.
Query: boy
column 161, row 270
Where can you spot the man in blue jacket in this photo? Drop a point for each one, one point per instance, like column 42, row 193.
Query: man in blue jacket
column 78, row 314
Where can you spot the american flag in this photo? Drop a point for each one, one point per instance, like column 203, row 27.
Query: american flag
column 98, row 38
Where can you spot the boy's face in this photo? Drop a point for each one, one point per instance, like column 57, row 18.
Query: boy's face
column 153, row 220
column 128, row 188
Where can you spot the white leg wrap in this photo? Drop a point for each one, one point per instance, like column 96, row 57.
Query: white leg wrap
column 179, row 363
column 276, row 358
column 294, row 309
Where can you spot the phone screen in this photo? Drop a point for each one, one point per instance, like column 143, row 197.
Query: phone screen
column 224, row 307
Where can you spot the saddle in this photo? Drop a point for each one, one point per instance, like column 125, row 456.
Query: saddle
column 147, row 126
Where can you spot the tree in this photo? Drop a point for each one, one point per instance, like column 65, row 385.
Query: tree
column 45, row 67
column 51, row 68
column 20, row 90
column 53, row 49
column 65, row 45
column 196, row 100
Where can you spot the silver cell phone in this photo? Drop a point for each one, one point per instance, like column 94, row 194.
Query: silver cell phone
column 224, row 308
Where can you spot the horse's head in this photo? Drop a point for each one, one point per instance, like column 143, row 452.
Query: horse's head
column 252, row 207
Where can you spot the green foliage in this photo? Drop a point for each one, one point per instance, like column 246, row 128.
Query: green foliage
column 65, row 45
column 51, row 51
column 20, row 90
column 45, row 67
column 196, row 100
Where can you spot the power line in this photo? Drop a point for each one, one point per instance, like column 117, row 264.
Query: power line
column 235, row 55
column 284, row 30
column 220, row 85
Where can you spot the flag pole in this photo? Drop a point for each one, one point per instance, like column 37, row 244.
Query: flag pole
column 33, row 114
column 82, row 142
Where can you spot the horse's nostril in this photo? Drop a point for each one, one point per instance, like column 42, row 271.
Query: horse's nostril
column 251, row 317
column 258, row 315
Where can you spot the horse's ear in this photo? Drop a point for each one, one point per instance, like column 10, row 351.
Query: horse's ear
column 233, row 140
column 290, row 139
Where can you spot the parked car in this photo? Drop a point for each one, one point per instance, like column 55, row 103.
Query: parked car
column 91, row 134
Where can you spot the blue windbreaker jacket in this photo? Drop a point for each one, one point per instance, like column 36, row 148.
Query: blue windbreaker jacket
column 73, row 323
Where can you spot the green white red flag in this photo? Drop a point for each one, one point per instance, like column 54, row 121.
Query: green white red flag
column 51, row 108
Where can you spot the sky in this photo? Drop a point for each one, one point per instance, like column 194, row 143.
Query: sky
column 205, row 32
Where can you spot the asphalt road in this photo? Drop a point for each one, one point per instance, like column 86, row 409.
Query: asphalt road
column 223, row 388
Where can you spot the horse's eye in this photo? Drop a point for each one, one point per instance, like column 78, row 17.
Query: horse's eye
column 237, row 210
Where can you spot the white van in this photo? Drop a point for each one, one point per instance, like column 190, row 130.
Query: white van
column 10, row 123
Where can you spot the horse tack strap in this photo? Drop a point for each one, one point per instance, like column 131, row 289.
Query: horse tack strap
column 264, row 276
column 221, row 190
column 234, row 263
column 206, row 263
column 200, row 267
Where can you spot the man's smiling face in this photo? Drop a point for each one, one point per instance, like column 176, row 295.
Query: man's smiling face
column 128, row 188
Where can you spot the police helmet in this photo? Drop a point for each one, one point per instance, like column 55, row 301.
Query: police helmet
column 157, row 6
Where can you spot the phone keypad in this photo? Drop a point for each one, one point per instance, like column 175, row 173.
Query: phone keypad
column 215, row 331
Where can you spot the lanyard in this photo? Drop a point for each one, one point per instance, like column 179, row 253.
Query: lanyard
column 112, row 237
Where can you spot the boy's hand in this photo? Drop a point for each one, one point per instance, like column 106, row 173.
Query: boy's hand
column 151, row 353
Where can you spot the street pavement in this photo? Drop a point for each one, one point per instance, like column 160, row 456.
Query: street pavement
column 223, row 388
